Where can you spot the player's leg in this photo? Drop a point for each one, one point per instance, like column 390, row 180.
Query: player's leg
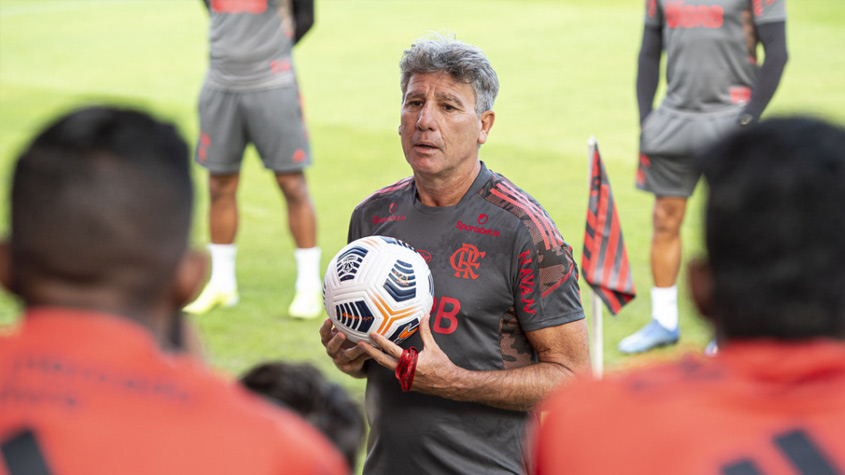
column 666, row 260
column 219, row 150
column 223, row 227
column 277, row 129
column 672, row 180
column 302, row 221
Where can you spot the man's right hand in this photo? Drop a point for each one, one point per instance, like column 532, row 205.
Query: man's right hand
column 347, row 356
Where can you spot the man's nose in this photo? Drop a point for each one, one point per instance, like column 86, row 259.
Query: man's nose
column 425, row 120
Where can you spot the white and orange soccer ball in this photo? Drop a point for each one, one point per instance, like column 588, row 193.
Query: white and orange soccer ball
column 377, row 284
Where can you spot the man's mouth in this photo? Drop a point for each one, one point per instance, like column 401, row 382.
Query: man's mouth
column 426, row 146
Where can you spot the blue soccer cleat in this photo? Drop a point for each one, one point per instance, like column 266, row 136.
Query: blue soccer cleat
column 712, row 348
column 649, row 337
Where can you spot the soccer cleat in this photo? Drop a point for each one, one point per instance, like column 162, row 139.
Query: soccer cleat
column 649, row 337
column 306, row 304
column 211, row 298
column 712, row 348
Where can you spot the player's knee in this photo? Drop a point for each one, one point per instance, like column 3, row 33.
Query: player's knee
column 221, row 187
column 668, row 216
column 294, row 187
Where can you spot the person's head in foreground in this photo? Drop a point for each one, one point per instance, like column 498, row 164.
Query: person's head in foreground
column 98, row 253
column 775, row 233
column 100, row 212
column 773, row 285
column 326, row 405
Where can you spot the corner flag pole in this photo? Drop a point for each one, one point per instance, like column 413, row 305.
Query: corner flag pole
column 596, row 333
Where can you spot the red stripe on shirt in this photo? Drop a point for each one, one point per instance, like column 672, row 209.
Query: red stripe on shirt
column 557, row 284
column 549, row 225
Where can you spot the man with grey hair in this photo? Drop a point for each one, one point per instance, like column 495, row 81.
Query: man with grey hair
column 507, row 326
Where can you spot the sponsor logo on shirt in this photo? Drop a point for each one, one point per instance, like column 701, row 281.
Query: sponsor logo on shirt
column 465, row 261
column 239, row 6
column 384, row 219
column 482, row 219
column 682, row 15
column 390, row 209
column 526, row 282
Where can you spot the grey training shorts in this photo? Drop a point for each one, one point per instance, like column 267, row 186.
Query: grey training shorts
column 270, row 119
column 670, row 140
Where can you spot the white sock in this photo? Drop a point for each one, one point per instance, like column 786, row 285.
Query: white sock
column 308, row 269
column 223, row 267
column 664, row 306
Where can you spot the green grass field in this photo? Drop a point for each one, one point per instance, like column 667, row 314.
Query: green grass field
column 566, row 69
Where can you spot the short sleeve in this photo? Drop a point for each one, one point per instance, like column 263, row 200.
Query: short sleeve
column 546, row 289
column 768, row 11
column 354, row 226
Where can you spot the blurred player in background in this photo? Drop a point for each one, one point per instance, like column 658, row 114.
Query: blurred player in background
column 250, row 95
column 507, row 326
column 90, row 381
column 773, row 400
column 714, row 85
column 326, row 405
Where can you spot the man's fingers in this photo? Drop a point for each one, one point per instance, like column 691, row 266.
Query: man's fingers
column 381, row 357
column 354, row 352
column 386, row 345
column 326, row 331
column 425, row 332
column 335, row 343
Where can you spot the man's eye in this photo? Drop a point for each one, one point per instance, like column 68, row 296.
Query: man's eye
column 449, row 107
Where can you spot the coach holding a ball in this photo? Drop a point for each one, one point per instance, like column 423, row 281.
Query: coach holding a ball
column 507, row 326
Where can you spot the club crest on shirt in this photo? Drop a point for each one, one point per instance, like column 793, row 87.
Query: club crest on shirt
column 465, row 261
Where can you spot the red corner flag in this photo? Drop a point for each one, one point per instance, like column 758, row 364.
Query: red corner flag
column 604, row 261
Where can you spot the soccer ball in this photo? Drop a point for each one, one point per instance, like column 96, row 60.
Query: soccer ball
column 377, row 284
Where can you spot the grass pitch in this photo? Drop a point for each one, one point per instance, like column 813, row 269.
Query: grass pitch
column 566, row 69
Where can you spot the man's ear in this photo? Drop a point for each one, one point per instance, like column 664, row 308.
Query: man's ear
column 487, row 119
column 190, row 277
column 7, row 279
column 701, row 287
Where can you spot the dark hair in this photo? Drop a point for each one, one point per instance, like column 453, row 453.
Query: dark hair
column 102, row 196
column 303, row 389
column 775, row 230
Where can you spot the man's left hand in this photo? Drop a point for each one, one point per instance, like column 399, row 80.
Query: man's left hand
column 434, row 371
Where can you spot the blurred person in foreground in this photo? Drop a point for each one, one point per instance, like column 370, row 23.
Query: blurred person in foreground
column 302, row 388
column 507, row 327
column 714, row 85
column 93, row 379
column 250, row 95
column 773, row 400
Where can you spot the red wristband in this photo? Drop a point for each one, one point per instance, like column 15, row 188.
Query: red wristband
column 406, row 367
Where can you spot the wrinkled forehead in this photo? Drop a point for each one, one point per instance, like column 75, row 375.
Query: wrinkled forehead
column 440, row 84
